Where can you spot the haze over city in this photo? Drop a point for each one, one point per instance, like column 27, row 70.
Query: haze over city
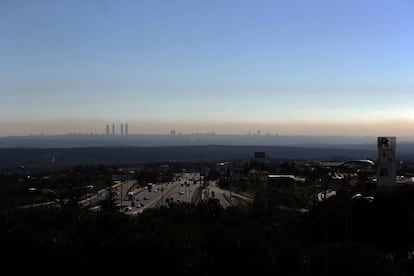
column 288, row 67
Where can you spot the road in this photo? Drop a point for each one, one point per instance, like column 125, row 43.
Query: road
column 223, row 196
column 184, row 188
column 181, row 189
column 118, row 189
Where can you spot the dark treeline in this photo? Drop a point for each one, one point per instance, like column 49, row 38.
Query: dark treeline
column 339, row 237
column 59, row 157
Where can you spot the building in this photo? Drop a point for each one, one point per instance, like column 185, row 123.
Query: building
column 386, row 165
column 113, row 129
column 122, row 129
column 107, row 129
column 126, row 129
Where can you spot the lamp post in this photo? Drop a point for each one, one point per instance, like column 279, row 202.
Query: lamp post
column 325, row 227
column 121, row 195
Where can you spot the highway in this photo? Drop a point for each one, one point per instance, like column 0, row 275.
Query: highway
column 182, row 189
column 185, row 191
column 185, row 187
column 223, row 196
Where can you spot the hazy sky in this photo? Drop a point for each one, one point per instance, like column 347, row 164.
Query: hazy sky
column 297, row 67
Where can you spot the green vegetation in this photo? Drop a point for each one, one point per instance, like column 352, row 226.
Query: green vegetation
column 339, row 237
column 283, row 231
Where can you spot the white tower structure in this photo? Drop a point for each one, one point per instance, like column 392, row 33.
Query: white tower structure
column 386, row 165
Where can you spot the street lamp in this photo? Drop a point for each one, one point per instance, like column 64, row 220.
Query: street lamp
column 162, row 195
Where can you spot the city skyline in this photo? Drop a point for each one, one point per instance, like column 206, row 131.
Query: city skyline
column 306, row 128
column 290, row 67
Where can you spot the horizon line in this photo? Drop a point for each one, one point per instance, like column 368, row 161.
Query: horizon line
column 252, row 134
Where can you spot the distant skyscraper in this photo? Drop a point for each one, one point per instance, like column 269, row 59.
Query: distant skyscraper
column 126, row 129
column 122, row 129
column 113, row 129
column 107, row 129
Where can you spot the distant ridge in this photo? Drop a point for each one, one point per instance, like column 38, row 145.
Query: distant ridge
column 197, row 139
column 127, row 155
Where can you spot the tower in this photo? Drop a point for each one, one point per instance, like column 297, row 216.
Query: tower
column 107, row 129
column 113, row 129
column 126, row 129
column 122, row 129
column 386, row 165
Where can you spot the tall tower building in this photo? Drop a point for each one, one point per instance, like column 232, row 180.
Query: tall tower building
column 122, row 129
column 107, row 129
column 386, row 165
column 113, row 129
column 126, row 129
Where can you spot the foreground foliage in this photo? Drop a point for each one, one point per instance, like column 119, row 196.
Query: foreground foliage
column 206, row 239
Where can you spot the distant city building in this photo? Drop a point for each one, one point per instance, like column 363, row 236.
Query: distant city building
column 172, row 132
column 122, row 129
column 258, row 133
column 386, row 166
column 113, row 129
column 107, row 129
column 126, row 129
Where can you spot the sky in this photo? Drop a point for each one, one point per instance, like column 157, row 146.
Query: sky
column 317, row 67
